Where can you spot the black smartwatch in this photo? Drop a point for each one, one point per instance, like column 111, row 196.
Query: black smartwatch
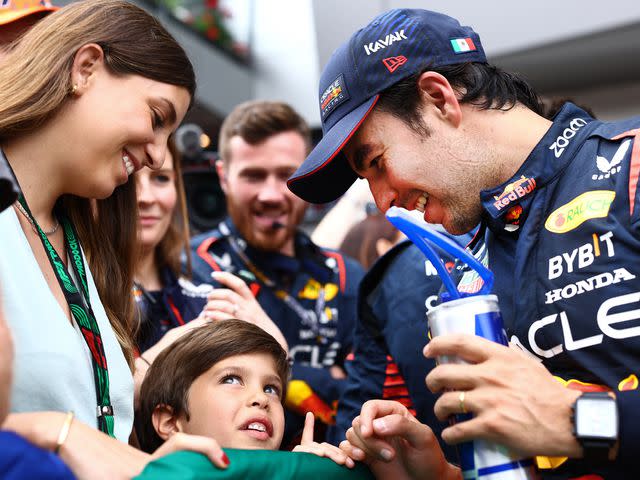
column 595, row 425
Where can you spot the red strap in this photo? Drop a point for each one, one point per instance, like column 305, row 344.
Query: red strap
column 203, row 252
column 175, row 311
column 341, row 268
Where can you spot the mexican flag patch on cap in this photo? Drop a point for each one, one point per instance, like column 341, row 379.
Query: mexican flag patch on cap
column 462, row 45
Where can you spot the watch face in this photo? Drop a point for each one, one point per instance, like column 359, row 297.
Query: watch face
column 596, row 418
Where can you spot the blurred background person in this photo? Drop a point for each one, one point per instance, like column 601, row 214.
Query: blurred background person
column 167, row 301
column 164, row 299
column 370, row 238
column 309, row 292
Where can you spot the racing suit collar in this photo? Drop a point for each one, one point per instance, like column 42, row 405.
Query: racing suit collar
column 308, row 257
column 506, row 206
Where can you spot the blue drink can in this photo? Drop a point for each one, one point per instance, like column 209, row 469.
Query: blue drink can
column 479, row 315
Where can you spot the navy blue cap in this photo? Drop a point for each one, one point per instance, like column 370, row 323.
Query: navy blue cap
column 395, row 45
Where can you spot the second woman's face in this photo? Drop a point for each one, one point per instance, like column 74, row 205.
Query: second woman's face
column 120, row 125
column 157, row 196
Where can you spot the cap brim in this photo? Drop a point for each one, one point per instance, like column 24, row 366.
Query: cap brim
column 325, row 175
column 9, row 16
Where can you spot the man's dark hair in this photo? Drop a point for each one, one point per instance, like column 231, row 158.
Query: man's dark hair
column 256, row 121
column 480, row 84
column 171, row 375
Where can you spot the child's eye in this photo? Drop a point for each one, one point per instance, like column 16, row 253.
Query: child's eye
column 231, row 380
column 272, row 390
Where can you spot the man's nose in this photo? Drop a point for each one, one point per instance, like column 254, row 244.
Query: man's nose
column 272, row 190
column 384, row 196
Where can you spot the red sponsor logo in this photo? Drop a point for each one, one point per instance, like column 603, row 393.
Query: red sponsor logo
column 514, row 191
column 393, row 63
column 513, row 215
column 334, row 93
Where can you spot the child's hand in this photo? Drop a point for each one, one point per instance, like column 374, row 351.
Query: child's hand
column 321, row 449
column 396, row 445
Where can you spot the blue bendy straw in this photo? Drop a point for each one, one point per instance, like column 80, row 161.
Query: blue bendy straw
column 422, row 235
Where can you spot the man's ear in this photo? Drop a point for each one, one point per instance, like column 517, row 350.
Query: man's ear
column 87, row 61
column 437, row 92
column 222, row 175
column 164, row 421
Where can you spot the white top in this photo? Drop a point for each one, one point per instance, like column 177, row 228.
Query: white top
column 52, row 368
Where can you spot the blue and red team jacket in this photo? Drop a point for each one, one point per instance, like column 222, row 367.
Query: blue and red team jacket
column 387, row 361
column 324, row 283
column 563, row 240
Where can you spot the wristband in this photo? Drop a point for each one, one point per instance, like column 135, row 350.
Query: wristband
column 64, row 432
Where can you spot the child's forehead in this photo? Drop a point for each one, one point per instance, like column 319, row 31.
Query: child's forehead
column 255, row 362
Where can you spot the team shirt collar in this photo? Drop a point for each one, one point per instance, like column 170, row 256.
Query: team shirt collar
column 506, row 206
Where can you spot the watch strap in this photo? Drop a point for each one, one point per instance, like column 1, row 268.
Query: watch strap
column 596, row 451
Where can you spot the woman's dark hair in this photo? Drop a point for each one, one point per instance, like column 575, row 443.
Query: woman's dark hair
column 35, row 85
column 482, row 85
column 171, row 375
column 175, row 241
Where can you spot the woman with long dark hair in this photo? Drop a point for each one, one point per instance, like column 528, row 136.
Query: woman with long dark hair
column 88, row 96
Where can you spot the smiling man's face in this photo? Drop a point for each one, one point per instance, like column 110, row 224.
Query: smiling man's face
column 255, row 184
column 439, row 173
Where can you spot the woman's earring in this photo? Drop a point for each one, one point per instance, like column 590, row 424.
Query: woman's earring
column 74, row 89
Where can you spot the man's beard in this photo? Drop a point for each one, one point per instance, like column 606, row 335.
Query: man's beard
column 463, row 218
column 272, row 240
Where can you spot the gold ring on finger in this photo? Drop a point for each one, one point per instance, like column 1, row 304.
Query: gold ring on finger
column 463, row 408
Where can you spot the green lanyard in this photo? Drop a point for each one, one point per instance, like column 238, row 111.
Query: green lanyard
column 80, row 306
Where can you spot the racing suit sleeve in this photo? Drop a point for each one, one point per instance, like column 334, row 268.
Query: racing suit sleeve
column 365, row 378
column 629, row 434
column 320, row 381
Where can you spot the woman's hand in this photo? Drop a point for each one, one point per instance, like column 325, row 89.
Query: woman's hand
column 91, row 454
column 88, row 452
column 195, row 443
column 321, row 449
column 237, row 301
column 396, row 445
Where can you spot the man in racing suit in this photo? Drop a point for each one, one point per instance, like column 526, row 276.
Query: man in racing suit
column 308, row 292
column 433, row 127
